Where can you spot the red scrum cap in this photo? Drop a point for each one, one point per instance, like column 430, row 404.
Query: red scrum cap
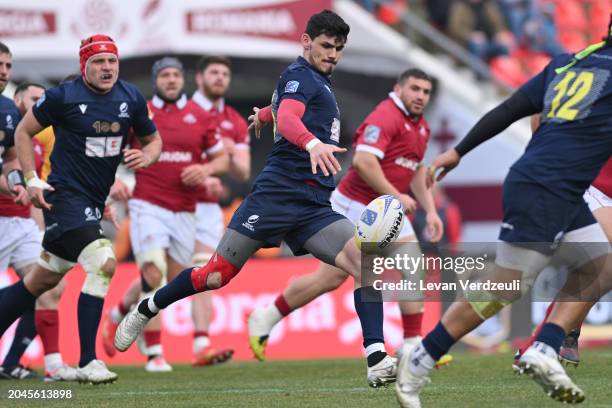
column 94, row 45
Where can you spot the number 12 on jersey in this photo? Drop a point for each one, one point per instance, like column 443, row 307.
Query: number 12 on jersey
column 570, row 96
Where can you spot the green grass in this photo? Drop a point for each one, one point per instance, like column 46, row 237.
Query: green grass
column 471, row 381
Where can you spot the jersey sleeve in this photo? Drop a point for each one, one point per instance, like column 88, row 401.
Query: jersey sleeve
column 241, row 135
column 49, row 108
column 375, row 136
column 142, row 123
column 535, row 88
column 298, row 85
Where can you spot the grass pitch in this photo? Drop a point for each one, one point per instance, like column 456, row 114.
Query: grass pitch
column 471, row 381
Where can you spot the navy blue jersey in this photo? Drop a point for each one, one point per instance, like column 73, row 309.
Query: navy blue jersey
column 300, row 81
column 91, row 130
column 574, row 139
column 9, row 118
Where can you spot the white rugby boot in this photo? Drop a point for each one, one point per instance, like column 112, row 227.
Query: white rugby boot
column 383, row 373
column 95, row 373
column 158, row 364
column 408, row 386
column 260, row 323
column 63, row 373
column 548, row 372
column 130, row 327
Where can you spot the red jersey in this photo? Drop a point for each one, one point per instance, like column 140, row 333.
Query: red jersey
column 8, row 208
column 396, row 139
column 603, row 182
column 186, row 132
column 230, row 125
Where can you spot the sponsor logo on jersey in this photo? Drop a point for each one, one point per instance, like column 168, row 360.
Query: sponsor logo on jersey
column 228, row 125
column 9, row 122
column 123, row 113
column 189, row 118
column 250, row 221
column 371, row 134
column 407, row 163
column 83, row 108
column 176, row 157
column 292, row 86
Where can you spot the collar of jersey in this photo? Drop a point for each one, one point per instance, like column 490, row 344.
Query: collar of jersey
column 398, row 102
column 205, row 103
column 159, row 102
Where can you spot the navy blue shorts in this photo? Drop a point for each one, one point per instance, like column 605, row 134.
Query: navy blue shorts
column 279, row 208
column 533, row 214
column 70, row 210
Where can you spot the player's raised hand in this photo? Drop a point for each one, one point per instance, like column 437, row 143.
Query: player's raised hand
column 435, row 228
column 195, row 174
column 120, row 191
column 36, row 188
column 135, row 159
column 407, row 202
column 446, row 161
column 255, row 124
column 322, row 156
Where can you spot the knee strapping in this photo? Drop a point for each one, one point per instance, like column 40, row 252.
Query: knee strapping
column 54, row 263
column 98, row 261
column 486, row 305
column 156, row 257
column 215, row 274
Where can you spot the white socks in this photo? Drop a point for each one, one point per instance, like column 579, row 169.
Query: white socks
column 421, row 363
column 53, row 361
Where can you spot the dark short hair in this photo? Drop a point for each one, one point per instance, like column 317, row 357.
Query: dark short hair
column 329, row 23
column 4, row 49
column 414, row 73
column 205, row 61
column 22, row 87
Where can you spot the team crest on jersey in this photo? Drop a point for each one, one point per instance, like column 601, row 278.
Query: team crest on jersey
column 226, row 124
column 292, row 86
column 123, row 113
column 423, row 131
column 189, row 118
column 371, row 134
column 9, row 122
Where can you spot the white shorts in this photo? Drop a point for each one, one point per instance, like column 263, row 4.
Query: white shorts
column 352, row 210
column 154, row 227
column 20, row 242
column 210, row 225
column 596, row 199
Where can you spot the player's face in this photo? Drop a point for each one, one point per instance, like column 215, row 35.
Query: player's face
column 170, row 83
column 323, row 53
column 415, row 94
column 103, row 71
column 26, row 99
column 214, row 80
column 6, row 64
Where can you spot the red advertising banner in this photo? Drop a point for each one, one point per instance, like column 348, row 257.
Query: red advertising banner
column 326, row 328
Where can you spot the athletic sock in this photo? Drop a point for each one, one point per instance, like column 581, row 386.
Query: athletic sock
column 179, row 288
column 89, row 311
column 152, row 339
column 438, row 342
column 47, row 325
column 15, row 300
column 369, row 307
column 411, row 324
column 551, row 335
column 375, row 353
column 282, row 306
column 24, row 334
column 53, row 362
column 200, row 340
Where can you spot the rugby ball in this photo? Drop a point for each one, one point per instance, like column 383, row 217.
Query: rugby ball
column 380, row 223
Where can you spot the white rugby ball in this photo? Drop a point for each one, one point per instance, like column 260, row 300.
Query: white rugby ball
column 380, row 223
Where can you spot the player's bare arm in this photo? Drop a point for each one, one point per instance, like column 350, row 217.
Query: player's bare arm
column 239, row 161
column 196, row 174
column 368, row 168
column 149, row 153
column 27, row 128
column 424, row 196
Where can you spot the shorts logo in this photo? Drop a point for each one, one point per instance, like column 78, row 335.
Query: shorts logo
column 507, row 226
column 92, row 215
column 371, row 134
column 368, row 217
column 292, row 86
column 123, row 113
column 250, row 221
